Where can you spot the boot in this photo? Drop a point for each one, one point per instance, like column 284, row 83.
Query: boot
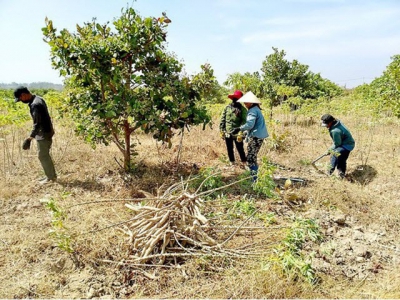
column 253, row 172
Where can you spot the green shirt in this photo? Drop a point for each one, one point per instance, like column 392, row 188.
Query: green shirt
column 229, row 120
column 341, row 137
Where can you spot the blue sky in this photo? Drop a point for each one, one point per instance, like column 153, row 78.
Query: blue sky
column 346, row 41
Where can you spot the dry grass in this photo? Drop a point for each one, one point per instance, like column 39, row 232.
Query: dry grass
column 92, row 193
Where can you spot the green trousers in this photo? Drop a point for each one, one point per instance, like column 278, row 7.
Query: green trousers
column 45, row 158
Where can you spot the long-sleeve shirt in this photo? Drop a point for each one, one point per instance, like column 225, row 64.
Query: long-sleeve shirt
column 255, row 124
column 42, row 125
column 341, row 137
column 229, row 120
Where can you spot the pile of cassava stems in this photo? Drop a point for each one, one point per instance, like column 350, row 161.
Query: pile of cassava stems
column 172, row 226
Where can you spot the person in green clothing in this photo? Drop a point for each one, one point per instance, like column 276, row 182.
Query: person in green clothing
column 233, row 116
column 343, row 144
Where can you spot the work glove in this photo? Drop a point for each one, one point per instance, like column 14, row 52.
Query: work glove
column 222, row 134
column 239, row 137
column 26, row 145
column 235, row 130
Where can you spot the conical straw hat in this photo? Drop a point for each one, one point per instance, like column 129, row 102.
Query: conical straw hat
column 249, row 97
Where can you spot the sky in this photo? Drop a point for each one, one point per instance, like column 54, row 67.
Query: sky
column 349, row 42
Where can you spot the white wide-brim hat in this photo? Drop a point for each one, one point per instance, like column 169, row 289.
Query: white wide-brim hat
column 249, row 97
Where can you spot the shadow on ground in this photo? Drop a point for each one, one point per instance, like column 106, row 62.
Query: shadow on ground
column 363, row 174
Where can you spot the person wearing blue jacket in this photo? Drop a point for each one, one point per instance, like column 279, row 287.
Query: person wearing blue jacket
column 343, row 144
column 255, row 128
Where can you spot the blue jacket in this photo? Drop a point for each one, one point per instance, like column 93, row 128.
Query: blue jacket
column 341, row 137
column 255, row 124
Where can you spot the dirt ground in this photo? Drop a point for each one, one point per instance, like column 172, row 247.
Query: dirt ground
column 359, row 217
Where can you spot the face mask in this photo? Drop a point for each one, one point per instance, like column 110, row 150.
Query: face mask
column 324, row 125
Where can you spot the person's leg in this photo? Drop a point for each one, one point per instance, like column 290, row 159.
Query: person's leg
column 338, row 160
column 45, row 158
column 240, row 149
column 229, row 148
column 252, row 150
column 342, row 162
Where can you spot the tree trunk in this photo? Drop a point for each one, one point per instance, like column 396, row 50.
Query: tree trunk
column 127, row 152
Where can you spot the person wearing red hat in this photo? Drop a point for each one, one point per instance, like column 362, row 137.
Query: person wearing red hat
column 233, row 116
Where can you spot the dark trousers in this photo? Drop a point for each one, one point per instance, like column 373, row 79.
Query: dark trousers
column 339, row 160
column 45, row 158
column 239, row 147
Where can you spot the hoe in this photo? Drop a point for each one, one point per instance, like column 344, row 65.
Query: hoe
column 317, row 159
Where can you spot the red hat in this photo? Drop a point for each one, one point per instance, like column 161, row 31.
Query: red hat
column 236, row 95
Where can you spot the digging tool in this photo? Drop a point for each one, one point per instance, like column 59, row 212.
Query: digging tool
column 317, row 159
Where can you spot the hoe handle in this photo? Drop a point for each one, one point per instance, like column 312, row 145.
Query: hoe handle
column 319, row 157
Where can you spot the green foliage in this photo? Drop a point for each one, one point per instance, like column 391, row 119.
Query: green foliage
column 289, row 256
column 246, row 82
column 239, row 209
column 282, row 81
column 209, row 178
column 245, row 206
column 245, row 183
column 59, row 232
column 208, row 87
column 279, row 142
column 11, row 113
column 265, row 184
column 383, row 94
column 120, row 79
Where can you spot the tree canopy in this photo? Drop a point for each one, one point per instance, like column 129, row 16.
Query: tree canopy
column 280, row 81
column 120, row 79
column 384, row 92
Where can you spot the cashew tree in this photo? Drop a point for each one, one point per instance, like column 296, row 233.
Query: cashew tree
column 119, row 79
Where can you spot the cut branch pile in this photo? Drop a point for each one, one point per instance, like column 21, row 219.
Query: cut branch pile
column 173, row 226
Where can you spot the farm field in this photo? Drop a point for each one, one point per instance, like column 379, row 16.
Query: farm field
column 346, row 231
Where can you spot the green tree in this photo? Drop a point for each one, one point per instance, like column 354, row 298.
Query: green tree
column 207, row 84
column 246, row 82
column 292, row 82
column 120, row 79
column 383, row 93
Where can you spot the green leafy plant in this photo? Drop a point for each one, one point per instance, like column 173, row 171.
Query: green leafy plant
column 239, row 209
column 289, row 256
column 279, row 142
column 268, row 218
column 245, row 205
column 59, row 232
column 209, row 178
column 265, row 184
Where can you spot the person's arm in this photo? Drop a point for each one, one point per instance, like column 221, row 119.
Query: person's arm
column 250, row 121
column 222, row 124
column 336, row 138
column 37, row 120
column 243, row 116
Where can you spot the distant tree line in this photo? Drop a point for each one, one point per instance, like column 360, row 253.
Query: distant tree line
column 33, row 85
